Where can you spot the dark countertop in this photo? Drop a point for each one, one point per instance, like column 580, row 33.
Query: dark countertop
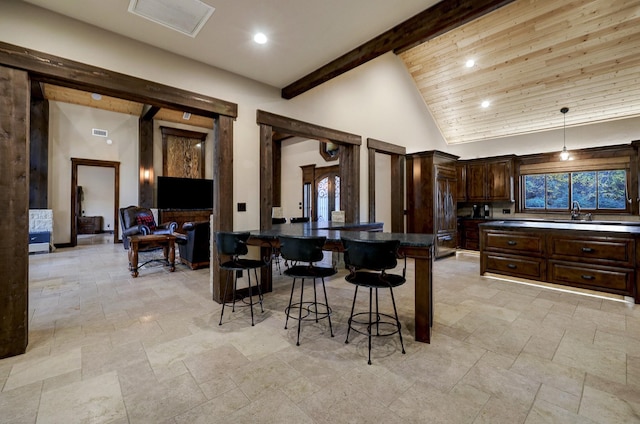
column 598, row 226
column 333, row 233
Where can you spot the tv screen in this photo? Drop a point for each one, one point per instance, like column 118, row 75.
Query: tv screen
column 184, row 193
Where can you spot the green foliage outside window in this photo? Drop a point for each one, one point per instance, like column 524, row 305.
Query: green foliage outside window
column 593, row 190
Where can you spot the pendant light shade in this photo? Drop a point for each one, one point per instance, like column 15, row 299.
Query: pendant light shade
column 564, row 155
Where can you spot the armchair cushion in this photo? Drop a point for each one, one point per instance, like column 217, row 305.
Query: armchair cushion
column 146, row 219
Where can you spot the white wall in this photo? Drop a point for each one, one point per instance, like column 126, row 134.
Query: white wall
column 377, row 100
column 70, row 137
column 98, row 193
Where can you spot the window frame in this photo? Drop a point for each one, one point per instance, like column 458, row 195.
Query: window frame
column 617, row 157
column 570, row 173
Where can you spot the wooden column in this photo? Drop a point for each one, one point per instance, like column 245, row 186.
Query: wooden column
column 350, row 182
column 397, row 193
column 145, row 149
column 266, row 173
column 222, row 190
column 372, row 184
column 14, row 207
column 38, row 148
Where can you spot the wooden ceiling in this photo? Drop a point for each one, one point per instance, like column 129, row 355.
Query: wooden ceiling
column 532, row 57
column 113, row 104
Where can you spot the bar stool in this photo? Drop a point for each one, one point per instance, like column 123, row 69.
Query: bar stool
column 234, row 244
column 301, row 253
column 367, row 261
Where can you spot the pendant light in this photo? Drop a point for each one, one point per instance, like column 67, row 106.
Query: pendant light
column 564, row 155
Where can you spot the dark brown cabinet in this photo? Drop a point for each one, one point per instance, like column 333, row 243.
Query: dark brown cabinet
column 598, row 260
column 89, row 224
column 489, row 180
column 180, row 216
column 461, row 184
column 431, row 198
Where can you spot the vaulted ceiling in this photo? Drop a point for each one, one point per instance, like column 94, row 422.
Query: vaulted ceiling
column 532, row 57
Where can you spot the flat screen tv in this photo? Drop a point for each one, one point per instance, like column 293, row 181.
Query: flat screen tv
column 184, row 193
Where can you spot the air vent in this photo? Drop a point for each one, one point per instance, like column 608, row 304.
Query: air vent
column 186, row 116
column 99, row 133
column 185, row 16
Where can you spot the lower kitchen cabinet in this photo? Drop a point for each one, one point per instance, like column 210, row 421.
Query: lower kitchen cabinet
column 603, row 257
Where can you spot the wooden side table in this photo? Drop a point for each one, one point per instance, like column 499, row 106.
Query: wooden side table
column 166, row 241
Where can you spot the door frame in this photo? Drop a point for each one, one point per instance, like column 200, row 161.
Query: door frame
column 349, row 145
column 75, row 213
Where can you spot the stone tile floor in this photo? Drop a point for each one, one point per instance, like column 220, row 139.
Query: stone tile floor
column 107, row 348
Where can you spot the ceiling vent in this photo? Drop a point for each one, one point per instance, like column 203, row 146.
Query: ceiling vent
column 185, row 16
column 186, row 116
column 99, row 133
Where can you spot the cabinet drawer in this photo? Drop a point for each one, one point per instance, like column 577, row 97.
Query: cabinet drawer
column 514, row 265
column 617, row 280
column 616, row 251
column 529, row 243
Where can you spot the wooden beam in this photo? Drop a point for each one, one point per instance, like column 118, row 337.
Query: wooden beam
column 44, row 67
column 148, row 112
column 384, row 147
column 436, row 20
column 305, row 129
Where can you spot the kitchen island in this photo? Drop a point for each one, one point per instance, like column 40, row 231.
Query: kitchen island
column 418, row 247
column 597, row 256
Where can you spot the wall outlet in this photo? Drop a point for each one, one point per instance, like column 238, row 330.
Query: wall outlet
column 506, row 211
column 242, row 207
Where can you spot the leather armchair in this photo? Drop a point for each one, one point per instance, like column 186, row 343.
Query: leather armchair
column 135, row 220
column 194, row 244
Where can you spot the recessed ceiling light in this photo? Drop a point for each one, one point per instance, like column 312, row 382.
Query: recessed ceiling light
column 96, row 96
column 109, row 141
column 485, row 103
column 470, row 63
column 260, row 38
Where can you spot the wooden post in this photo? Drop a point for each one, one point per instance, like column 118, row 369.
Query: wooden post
column 14, row 207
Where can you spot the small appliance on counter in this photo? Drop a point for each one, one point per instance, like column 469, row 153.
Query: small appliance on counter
column 477, row 212
column 487, row 211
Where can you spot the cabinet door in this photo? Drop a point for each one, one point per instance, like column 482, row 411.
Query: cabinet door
column 461, row 183
column 499, row 180
column 476, row 182
column 446, row 215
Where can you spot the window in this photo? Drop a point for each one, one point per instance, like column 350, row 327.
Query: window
column 603, row 190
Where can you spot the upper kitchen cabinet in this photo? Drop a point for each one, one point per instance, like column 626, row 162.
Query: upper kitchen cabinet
column 461, row 176
column 489, row 180
column 431, row 198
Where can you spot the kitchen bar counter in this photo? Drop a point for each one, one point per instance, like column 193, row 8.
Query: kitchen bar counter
column 587, row 254
column 418, row 247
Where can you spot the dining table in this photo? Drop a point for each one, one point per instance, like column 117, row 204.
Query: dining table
column 418, row 247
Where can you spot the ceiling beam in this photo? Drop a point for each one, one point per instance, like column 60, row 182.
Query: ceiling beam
column 436, row 20
column 47, row 68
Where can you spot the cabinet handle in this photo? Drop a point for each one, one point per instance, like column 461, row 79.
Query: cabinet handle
column 512, row 243
column 511, row 266
column 588, row 277
column 587, row 249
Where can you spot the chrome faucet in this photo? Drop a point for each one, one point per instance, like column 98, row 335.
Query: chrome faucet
column 575, row 210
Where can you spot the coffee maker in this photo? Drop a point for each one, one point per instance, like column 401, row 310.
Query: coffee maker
column 477, row 211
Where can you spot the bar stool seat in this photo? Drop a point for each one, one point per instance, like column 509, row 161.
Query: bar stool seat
column 234, row 245
column 302, row 253
column 367, row 261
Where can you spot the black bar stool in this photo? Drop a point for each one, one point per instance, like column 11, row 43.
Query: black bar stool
column 234, row 245
column 367, row 261
column 301, row 253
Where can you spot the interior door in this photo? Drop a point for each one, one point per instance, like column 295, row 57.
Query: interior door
column 327, row 196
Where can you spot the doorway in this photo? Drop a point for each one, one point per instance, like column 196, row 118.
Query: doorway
column 76, row 208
